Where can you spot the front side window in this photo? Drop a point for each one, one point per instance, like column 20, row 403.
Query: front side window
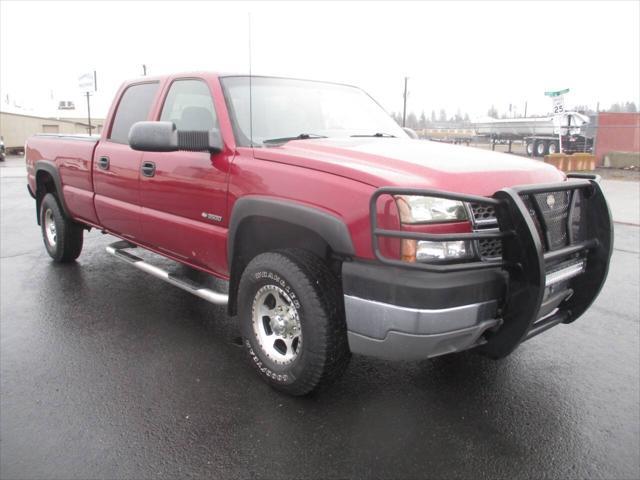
column 283, row 107
column 190, row 106
column 134, row 107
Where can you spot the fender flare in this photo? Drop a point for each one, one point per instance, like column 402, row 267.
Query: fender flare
column 330, row 228
column 51, row 168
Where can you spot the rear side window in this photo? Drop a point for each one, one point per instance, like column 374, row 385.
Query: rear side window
column 189, row 105
column 134, row 107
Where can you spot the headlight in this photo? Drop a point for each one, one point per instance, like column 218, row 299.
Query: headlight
column 414, row 209
column 417, row 209
column 428, row 251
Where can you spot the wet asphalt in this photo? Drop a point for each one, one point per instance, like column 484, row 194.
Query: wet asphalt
column 108, row 373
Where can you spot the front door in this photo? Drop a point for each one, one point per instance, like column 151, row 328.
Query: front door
column 116, row 167
column 183, row 194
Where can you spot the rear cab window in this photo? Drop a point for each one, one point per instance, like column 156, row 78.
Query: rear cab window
column 134, row 106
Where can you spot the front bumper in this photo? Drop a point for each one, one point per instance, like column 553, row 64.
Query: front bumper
column 399, row 333
column 403, row 311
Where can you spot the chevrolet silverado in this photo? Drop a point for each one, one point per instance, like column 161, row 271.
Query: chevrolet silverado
column 336, row 232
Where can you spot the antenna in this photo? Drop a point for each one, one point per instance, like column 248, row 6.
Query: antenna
column 250, row 96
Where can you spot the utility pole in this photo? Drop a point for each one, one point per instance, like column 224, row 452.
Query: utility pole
column 404, row 108
column 144, row 70
column 525, row 109
column 89, row 113
column 88, row 82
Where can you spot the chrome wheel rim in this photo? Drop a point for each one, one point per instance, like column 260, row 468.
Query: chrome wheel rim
column 552, row 148
column 50, row 227
column 276, row 324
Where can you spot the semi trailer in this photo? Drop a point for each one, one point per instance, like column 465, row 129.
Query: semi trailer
column 565, row 133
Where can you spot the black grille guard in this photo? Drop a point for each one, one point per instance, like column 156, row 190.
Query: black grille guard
column 523, row 257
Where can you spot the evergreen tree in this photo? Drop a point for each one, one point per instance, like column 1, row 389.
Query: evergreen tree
column 423, row 120
column 412, row 121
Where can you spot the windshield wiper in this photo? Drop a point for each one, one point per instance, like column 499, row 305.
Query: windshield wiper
column 386, row 135
column 302, row 136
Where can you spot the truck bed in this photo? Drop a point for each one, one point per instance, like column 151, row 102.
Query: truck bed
column 72, row 156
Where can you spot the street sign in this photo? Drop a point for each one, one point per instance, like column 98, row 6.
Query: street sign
column 87, row 82
column 556, row 93
column 557, row 99
column 558, row 104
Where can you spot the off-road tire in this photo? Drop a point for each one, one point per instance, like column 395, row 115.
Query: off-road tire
column 68, row 234
column 316, row 293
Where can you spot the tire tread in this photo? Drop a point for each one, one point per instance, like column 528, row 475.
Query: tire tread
column 321, row 293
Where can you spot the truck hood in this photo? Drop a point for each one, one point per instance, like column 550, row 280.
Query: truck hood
column 413, row 163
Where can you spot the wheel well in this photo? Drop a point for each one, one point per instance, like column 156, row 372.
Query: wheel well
column 256, row 235
column 44, row 184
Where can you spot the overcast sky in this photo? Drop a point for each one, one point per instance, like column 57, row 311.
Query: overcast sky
column 457, row 55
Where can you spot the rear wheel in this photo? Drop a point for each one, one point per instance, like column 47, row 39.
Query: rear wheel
column 553, row 148
column 530, row 149
column 541, row 148
column 62, row 236
column 292, row 321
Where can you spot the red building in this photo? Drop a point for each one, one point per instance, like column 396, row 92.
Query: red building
column 617, row 132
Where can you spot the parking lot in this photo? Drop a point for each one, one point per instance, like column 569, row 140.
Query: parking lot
column 109, row 373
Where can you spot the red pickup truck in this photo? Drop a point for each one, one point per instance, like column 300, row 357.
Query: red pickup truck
column 336, row 232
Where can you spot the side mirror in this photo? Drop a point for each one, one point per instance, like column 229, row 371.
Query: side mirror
column 165, row 137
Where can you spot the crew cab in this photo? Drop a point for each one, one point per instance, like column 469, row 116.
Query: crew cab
column 336, row 232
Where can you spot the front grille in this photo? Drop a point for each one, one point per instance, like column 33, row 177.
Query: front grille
column 549, row 212
column 483, row 213
column 490, row 248
column 484, row 218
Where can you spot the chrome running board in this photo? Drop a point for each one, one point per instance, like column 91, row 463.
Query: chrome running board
column 118, row 250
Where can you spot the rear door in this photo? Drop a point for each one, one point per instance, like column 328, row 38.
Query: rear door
column 116, row 167
column 183, row 194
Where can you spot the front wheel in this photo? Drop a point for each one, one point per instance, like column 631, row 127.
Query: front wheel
column 62, row 236
column 553, row 148
column 292, row 321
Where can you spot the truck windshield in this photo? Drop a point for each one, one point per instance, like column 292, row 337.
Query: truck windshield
column 286, row 109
